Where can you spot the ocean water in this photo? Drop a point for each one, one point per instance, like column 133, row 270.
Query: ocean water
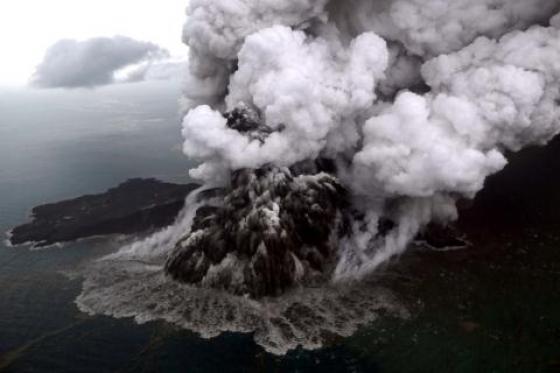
column 57, row 144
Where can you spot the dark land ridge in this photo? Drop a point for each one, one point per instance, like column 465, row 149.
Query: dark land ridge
column 135, row 206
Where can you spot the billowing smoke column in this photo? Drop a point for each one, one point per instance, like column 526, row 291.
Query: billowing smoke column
column 274, row 229
column 412, row 102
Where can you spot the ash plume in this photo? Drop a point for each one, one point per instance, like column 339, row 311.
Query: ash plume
column 414, row 101
column 273, row 230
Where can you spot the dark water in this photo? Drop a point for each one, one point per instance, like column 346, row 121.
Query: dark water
column 494, row 308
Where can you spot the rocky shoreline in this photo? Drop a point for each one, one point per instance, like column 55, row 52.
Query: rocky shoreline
column 137, row 205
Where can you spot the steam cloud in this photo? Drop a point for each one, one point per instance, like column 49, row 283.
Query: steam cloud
column 415, row 100
column 94, row 62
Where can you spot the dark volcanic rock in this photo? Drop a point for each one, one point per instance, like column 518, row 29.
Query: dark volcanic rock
column 273, row 229
column 136, row 205
column 248, row 122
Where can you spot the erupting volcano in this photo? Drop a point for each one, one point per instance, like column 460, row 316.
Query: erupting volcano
column 330, row 134
column 413, row 104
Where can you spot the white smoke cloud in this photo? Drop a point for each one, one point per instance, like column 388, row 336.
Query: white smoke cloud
column 476, row 78
column 315, row 93
column 433, row 27
column 409, row 152
column 216, row 30
column 93, row 62
column 489, row 96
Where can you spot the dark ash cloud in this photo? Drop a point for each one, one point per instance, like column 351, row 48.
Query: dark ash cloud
column 93, row 62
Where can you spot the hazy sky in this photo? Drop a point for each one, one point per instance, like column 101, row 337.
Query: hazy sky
column 29, row 27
